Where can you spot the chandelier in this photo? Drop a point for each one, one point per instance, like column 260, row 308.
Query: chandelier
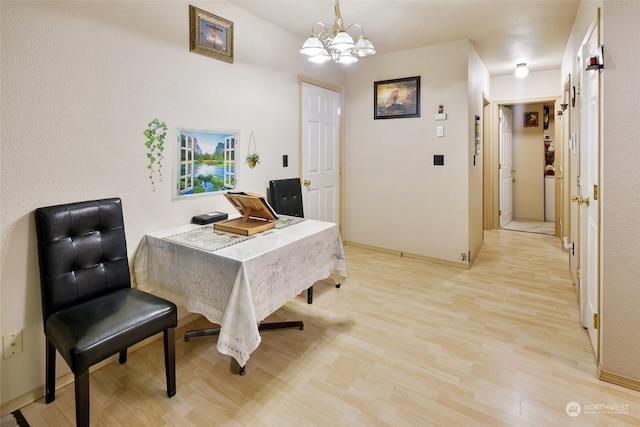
column 336, row 45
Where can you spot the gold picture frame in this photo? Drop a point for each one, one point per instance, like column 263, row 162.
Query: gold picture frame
column 210, row 35
column 531, row 119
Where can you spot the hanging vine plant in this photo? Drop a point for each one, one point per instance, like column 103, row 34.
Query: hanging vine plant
column 155, row 134
column 253, row 158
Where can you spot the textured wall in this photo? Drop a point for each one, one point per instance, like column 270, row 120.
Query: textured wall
column 620, row 200
column 80, row 82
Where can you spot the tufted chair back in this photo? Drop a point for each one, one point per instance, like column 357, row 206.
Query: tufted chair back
column 285, row 195
column 82, row 252
column 90, row 311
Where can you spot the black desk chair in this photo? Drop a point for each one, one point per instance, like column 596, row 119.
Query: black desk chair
column 89, row 309
column 285, row 196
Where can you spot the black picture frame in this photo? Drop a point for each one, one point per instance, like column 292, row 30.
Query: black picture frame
column 396, row 98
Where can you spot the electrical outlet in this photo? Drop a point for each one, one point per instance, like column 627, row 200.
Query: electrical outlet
column 11, row 344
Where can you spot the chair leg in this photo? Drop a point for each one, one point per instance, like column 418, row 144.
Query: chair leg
column 50, row 375
column 310, row 295
column 123, row 356
column 82, row 399
column 170, row 360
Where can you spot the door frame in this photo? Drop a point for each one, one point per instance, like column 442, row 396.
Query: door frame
column 491, row 164
column 304, row 79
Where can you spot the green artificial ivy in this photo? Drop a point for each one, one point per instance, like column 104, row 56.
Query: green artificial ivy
column 155, row 134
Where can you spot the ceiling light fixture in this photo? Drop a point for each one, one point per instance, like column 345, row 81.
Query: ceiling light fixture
column 336, row 45
column 522, row 70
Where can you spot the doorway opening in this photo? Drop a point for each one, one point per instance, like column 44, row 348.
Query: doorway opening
column 526, row 177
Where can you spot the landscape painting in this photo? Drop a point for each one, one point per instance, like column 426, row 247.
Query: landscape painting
column 206, row 161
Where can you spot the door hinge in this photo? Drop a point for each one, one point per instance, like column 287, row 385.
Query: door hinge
column 499, row 212
column 499, row 119
column 595, row 192
column 596, row 321
column 578, row 89
column 578, row 180
column 578, row 273
column 499, row 166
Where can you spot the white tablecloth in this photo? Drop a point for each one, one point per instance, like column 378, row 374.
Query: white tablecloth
column 238, row 286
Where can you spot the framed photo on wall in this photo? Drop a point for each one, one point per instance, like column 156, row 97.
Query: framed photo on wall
column 531, row 120
column 397, row 98
column 210, row 35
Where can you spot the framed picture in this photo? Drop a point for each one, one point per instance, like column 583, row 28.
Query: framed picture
column 531, row 120
column 397, row 98
column 205, row 161
column 210, row 35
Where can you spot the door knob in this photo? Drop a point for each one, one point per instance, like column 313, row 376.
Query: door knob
column 306, row 183
column 580, row 200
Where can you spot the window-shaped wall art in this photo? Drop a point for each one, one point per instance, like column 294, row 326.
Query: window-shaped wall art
column 206, row 161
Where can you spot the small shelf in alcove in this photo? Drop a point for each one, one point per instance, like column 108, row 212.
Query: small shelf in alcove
column 595, row 67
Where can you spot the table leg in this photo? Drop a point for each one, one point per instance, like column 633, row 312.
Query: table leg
column 201, row 333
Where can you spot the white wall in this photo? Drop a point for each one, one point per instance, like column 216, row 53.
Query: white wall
column 80, row 81
column 620, row 201
column 479, row 85
column 537, row 85
column 528, row 163
column 391, row 184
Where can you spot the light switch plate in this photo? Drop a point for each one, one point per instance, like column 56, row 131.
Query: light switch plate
column 440, row 130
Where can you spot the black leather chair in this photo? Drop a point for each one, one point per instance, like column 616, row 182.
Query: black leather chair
column 89, row 308
column 285, row 196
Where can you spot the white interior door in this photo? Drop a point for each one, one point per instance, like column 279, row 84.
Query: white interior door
column 505, row 175
column 320, row 158
column 589, row 181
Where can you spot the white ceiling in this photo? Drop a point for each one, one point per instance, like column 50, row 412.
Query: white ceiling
column 503, row 32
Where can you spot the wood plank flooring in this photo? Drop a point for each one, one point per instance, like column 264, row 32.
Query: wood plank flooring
column 402, row 343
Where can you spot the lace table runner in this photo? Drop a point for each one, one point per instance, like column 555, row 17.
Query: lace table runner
column 210, row 240
column 286, row 220
column 207, row 239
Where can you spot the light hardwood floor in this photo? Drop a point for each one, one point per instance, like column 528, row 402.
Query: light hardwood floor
column 402, row 343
